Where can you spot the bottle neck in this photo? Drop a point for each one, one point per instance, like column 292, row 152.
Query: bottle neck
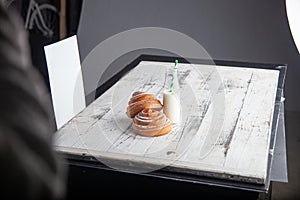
column 174, row 86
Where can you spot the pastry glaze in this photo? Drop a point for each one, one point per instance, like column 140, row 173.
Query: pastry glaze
column 140, row 101
column 151, row 122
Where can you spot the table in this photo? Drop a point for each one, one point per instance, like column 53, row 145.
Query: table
column 229, row 124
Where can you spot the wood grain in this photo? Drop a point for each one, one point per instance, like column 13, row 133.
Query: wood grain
column 227, row 114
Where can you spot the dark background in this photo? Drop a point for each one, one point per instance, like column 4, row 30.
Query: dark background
column 37, row 40
column 247, row 30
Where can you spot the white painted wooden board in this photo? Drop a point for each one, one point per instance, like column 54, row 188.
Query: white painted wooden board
column 227, row 115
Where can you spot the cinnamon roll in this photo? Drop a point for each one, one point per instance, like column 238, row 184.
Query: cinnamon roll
column 150, row 122
column 140, row 101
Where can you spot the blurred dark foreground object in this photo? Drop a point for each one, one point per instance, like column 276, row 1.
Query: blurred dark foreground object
column 29, row 168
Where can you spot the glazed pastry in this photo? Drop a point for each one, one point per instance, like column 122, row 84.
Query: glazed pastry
column 150, row 122
column 140, row 101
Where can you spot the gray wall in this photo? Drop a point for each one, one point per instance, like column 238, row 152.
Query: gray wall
column 240, row 30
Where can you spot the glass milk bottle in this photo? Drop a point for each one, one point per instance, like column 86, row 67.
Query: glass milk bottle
column 171, row 95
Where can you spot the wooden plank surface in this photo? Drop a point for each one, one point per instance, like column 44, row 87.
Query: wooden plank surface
column 225, row 132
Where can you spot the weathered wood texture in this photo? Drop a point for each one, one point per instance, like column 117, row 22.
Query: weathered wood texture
column 227, row 114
